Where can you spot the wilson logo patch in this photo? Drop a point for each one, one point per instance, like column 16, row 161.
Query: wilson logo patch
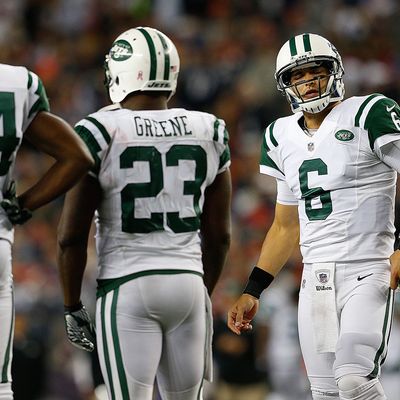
column 344, row 136
column 121, row 50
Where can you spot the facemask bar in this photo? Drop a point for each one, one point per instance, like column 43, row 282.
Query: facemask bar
column 107, row 75
column 317, row 103
column 295, row 92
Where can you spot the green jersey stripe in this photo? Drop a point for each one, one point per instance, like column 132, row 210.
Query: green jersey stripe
column 42, row 103
column 385, row 337
column 265, row 158
column 271, row 135
column 226, row 136
column 264, row 143
column 30, row 79
column 92, row 145
column 107, row 285
column 105, row 346
column 362, row 107
column 153, row 55
column 269, row 162
column 292, row 46
column 117, row 348
column 166, row 58
column 381, row 119
column 306, row 42
column 219, row 135
column 224, row 158
column 101, row 128
column 216, row 126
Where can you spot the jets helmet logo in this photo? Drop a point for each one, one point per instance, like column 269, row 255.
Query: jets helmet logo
column 121, row 50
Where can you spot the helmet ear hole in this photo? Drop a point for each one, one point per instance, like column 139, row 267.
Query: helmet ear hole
column 286, row 78
column 329, row 65
column 117, row 80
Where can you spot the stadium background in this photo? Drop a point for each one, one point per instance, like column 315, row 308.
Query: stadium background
column 227, row 50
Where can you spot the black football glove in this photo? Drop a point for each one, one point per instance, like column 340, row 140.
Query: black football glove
column 80, row 330
column 10, row 203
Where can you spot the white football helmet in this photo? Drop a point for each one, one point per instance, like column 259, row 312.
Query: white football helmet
column 141, row 59
column 313, row 50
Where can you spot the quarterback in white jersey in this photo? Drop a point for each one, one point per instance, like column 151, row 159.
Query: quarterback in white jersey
column 337, row 179
column 24, row 111
column 160, row 192
column 336, row 163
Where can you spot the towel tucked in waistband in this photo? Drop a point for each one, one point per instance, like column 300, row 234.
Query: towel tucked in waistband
column 324, row 313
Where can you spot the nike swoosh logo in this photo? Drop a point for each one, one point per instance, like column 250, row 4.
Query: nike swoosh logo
column 360, row 278
column 388, row 109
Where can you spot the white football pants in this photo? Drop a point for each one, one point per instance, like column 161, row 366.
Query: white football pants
column 6, row 320
column 364, row 306
column 154, row 327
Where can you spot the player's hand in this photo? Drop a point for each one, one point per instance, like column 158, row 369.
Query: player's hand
column 15, row 213
column 241, row 313
column 80, row 330
column 395, row 270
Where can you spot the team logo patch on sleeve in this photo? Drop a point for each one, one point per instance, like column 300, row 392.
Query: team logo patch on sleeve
column 344, row 135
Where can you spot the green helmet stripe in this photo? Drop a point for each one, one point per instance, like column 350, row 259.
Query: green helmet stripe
column 292, row 45
column 166, row 57
column 306, row 42
column 153, row 55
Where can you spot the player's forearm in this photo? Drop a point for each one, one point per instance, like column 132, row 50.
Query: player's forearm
column 71, row 261
column 214, row 254
column 278, row 246
column 56, row 181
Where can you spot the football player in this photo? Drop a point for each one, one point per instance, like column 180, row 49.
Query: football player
column 160, row 192
column 335, row 162
column 25, row 113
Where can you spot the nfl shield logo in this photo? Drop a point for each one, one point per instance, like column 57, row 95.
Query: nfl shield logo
column 323, row 275
column 310, row 146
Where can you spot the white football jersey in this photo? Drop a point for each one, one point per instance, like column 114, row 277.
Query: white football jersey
column 153, row 168
column 345, row 193
column 22, row 96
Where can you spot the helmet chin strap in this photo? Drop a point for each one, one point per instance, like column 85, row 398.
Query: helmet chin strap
column 315, row 106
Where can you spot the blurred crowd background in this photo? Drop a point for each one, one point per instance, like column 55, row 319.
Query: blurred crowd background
column 227, row 50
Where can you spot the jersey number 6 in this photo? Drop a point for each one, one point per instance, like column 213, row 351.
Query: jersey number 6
column 308, row 194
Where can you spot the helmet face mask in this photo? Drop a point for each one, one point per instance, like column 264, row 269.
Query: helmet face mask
column 306, row 51
column 141, row 60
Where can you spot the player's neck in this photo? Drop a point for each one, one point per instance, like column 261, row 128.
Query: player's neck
column 145, row 102
column 314, row 121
